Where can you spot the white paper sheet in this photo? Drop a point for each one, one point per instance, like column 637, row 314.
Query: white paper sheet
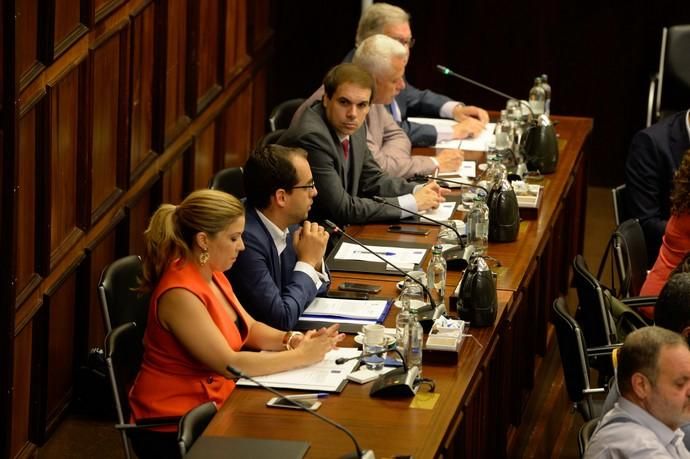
column 442, row 212
column 341, row 307
column 396, row 255
column 479, row 143
column 466, row 169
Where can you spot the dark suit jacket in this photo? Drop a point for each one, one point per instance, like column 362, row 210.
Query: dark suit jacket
column 415, row 102
column 344, row 198
column 271, row 292
column 654, row 156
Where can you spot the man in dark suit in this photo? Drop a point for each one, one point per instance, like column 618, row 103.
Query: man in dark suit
column 345, row 172
column 412, row 102
column 281, row 269
column 654, row 156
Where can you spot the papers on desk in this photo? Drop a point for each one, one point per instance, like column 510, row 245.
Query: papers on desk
column 396, row 255
column 324, row 376
column 466, row 169
column 443, row 212
column 365, row 311
column 479, row 143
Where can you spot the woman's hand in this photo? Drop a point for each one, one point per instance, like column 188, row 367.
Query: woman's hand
column 316, row 343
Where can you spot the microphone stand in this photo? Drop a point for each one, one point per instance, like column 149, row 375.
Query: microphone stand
column 456, row 182
column 365, row 454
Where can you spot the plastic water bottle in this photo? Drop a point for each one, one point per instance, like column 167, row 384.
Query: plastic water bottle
column 413, row 343
column 478, row 226
column 537, row 97
column 436, row 275
column 504, row 132
column 547, row 92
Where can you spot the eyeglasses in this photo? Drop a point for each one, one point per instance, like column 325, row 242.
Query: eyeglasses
column 409, row 42
column 310, row 186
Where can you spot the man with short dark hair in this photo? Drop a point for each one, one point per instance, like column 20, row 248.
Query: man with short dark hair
column 344, row 170
column 654, row 381
column 281, row 269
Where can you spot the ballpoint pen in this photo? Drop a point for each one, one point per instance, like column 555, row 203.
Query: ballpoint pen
column 385, row 254
column 307, row 396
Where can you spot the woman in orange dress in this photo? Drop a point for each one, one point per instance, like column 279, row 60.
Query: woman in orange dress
column 196, row 326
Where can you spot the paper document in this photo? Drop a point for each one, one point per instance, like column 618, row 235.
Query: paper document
column 396, row 255
column 479, row 143
column 323, row 376
column 353, row 309
column 443, row 212
column 466, row 169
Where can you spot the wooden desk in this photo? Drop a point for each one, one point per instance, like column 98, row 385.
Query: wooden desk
column 482, row 399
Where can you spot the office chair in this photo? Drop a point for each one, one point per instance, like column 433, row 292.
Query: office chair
column 120, row 303
column 123, row 354
column 669, row 88
column 270, row 137
column 282, row 114
column 620, row 204
column 585, row 434
column 575, row 356
column 230, row 180
column 193, row 424
column 598, row 324
column 628, row 249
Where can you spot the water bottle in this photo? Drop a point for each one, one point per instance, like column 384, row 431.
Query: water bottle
column 547, row 91
column 478, row 226
column 503, row 132
column 537, row 97
column 436, row 275
column 413, row 343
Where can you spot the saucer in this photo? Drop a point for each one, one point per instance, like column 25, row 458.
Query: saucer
column 389, row 340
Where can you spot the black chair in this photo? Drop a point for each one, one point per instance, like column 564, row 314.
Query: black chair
column 123, row 354
column 230, row 180
column 269, row 138
column 631, row 257
column 585, row 434
column 669, row 88
column 597, row 320
column 620, row 204
column 120, row 302
column 282, row 114
column 575, row 356
column 193, row 424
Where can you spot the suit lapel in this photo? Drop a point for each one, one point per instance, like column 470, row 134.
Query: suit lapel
column 272, row 252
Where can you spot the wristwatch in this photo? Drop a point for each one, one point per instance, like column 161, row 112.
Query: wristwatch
column 287, row 339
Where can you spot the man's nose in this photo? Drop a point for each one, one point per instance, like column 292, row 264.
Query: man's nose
column 352, row 111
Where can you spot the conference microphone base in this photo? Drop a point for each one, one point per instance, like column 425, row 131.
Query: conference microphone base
column 366, row 454
column 397, row 383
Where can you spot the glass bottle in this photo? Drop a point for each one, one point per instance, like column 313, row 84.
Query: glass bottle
column 478, row 226
column 413, row 343
column 503, row 132
column 547, row 92
column 537, row 97
column 436, row 275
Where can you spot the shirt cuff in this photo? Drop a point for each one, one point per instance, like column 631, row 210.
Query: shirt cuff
column 447, row 109
column 313, row 274
column 407, row 202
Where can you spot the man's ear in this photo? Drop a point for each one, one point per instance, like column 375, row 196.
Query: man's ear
column 640, row 385
column 280, row 197
column 685, row 332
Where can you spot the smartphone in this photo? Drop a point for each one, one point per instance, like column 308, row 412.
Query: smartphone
column 364, row 288
column 348, row 295
column 280, row 402
column 408, row 230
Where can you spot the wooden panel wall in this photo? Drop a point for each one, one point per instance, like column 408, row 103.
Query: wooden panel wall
column 109, row 108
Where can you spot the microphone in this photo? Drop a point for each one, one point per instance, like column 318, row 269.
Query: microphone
column 336, row 229
column 453, row 256
column 341, row 360
column 444, row 179
column 368, row 454
column 446, row 71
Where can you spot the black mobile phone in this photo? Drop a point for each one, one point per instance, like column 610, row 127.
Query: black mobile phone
column 408, row 230
column 347, row 295
column 364, row 288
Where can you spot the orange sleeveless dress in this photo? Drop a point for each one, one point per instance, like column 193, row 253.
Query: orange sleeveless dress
column 171, row 381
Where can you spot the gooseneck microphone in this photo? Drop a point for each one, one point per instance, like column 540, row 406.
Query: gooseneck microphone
column 342, row 360
column 379, row 199
column 444, row 179
column 446, row 71
column 336, row 229
column 360, row 453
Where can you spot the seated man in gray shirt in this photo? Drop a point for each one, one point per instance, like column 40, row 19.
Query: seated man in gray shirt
column 654, row 381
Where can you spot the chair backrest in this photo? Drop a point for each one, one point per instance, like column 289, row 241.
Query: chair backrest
column 672, row 92
column 620, row 204
column 193, row 424
column 572, row 347
column 585, row 434
column 120, row 303
column 230, row 180
column 281, row 115
column 631, row 257
column 270, row 137
column 592, row 311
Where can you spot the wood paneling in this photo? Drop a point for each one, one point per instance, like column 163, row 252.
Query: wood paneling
column 97, row 130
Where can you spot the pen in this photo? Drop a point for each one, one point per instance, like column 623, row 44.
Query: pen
column 385, row 254
column 307, row 396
